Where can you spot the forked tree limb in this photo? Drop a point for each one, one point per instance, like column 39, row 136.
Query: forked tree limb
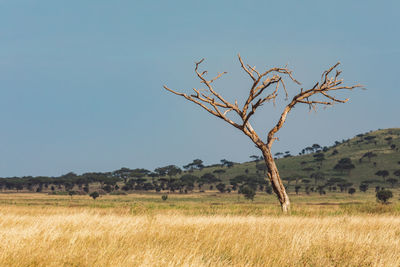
column 215, row 104
column 218, row 106
column 198, row 100
column 327, row 84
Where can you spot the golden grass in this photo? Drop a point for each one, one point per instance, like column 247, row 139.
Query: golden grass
column 76, row 236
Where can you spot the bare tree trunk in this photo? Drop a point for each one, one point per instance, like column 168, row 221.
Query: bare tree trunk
column 215, row 104
column 275, row 180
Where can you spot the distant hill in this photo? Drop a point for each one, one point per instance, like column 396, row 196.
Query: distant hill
column 347, row 163
column 368, row 152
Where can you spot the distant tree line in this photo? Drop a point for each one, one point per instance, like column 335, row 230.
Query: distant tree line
column 192, row 176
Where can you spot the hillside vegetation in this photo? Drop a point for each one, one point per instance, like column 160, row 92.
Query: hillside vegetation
column 382, row 145
column 364, row 162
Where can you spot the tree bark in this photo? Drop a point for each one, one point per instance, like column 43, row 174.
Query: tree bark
column 276, row 182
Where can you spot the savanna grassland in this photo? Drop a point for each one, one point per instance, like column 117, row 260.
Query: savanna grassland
column 61, row 225
column 208, row 229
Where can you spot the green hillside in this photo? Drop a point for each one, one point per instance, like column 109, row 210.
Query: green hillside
column 382, row 146
column 317, row 168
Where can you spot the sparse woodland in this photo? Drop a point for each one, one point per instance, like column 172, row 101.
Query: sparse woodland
column 364, row 163
column 345, row 211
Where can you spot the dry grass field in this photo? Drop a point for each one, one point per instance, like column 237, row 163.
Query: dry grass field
column 41, row 230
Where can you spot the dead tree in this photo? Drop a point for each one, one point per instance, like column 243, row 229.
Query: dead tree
column 218, row 106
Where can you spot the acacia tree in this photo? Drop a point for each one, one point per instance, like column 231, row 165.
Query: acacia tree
column 383, row 173
column 214, row 103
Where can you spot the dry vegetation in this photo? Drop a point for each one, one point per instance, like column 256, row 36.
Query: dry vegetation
column 40, row 230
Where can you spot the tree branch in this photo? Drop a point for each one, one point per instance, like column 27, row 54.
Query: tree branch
column 210, row 88
column 215, row 104
column 327, row 84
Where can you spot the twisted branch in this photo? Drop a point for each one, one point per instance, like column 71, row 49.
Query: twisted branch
column 323, row 88
column 215, row 104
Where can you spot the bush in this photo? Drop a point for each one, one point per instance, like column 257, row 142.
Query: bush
column 164, row 197
column 268, row 189
column 363, row 187
column 94, row 195
column 383, row 196
column 297, row 189
column 126, row 187
column 86, row 189
column 71, row 193
column 352, row 191
column 107, row 188
column 221, row 187
column 248, row 192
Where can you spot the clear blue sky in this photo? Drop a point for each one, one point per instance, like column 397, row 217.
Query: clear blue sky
column 81, row 81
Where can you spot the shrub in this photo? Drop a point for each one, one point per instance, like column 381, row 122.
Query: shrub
column 107, row 188
column 221, row 187
column 351, row 191
column 307, row 190
column 321, row 190
column 363, row 187
column 248, row 192
column 94, row 195
column 86, row 188
column 268, row 189
column 383, row 196
column 126, row 188
column 392, row 181
column 297, row 188
column 344, row 164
